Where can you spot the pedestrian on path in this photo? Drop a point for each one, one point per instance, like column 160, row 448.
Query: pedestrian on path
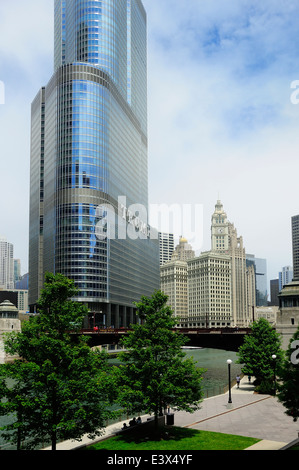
column 238, row 381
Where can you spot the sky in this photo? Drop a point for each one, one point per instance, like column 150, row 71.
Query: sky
column 223, row 118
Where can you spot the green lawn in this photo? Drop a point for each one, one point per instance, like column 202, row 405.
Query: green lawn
column 174, row 438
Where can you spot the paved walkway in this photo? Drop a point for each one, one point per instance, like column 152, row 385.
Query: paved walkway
column 249, row 414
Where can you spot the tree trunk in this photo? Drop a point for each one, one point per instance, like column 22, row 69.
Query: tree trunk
column 53, row 439
column 54, row 420
column 156, row 417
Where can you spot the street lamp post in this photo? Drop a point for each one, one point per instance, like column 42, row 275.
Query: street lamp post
column 229, row 361
column 274, row 371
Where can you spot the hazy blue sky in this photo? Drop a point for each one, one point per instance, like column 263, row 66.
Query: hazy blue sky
column 221, row 122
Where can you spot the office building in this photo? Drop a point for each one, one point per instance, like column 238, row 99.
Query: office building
column 210, row 290
column 166, row 246
column 6, row 264
column 221, row 287
column 216, row 288
column 225, row 240
column 183, row 251
column 285, row 276
column 295, row 246
column 17, row 270
column 274, row 291
column 288, row 313
column 174, row 285
column 89, row 163
column 174, row 280
column 260, row 272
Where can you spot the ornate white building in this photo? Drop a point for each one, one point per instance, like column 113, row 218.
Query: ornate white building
column 174, row 278
column 224, row 240
column 210, row 291
column 215, row 289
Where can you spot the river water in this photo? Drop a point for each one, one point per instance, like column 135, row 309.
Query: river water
column 215, row 379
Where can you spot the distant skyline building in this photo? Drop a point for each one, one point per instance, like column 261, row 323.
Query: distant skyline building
column 6, row 264
column 166, row 246
column 17, row 270
column 295, row 246
column 274, row 291
column 89, row 161
column 288, row 313
column 260, row 270
column 285, row 276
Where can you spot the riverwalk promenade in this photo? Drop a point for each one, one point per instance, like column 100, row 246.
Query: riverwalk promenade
column 249, row 414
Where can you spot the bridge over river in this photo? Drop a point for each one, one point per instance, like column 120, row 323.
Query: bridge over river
column 218, row 338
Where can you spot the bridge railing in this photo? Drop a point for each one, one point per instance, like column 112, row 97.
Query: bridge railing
column 185, row 330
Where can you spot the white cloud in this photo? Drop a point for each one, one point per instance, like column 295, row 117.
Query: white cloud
column 220, row 116
column 221, row 121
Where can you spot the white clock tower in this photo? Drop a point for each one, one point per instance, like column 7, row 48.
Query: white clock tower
column 219, row 229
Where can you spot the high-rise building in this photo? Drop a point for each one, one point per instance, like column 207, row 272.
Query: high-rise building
column 221, row 287
column 285, row 276
column 17, row 270
column 224, row 240
column 295, row 246
column 6, row 264
column 174, row 280
column 216, row 288
column 288, row 313
column 210, row 290
column 274, row 291
column 183, row 251
column 166, row 246
column 89, row 176
column 260, row 270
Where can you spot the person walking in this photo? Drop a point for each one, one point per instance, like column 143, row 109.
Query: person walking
column 238, row 378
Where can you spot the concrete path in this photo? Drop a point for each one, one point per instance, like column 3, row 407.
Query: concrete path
column 249, row 414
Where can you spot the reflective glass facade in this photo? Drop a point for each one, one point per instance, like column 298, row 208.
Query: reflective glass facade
column 95, row 152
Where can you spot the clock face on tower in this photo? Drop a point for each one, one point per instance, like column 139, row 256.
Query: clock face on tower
column 220, row 230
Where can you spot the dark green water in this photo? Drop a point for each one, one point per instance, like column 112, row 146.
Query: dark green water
column 215, row 378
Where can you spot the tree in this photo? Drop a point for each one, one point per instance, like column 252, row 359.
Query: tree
column 154, row 373
column 288, row 385
column 59, row 388
column 256, row 353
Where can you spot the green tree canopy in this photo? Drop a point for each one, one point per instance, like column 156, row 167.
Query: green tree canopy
column 257, row 350
column 59, row 388
column 288, row 385
column 155, row 373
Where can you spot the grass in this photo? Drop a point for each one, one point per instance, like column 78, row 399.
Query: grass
column 174, row 438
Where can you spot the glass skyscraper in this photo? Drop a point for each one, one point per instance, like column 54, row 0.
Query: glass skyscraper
column 89, row 175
